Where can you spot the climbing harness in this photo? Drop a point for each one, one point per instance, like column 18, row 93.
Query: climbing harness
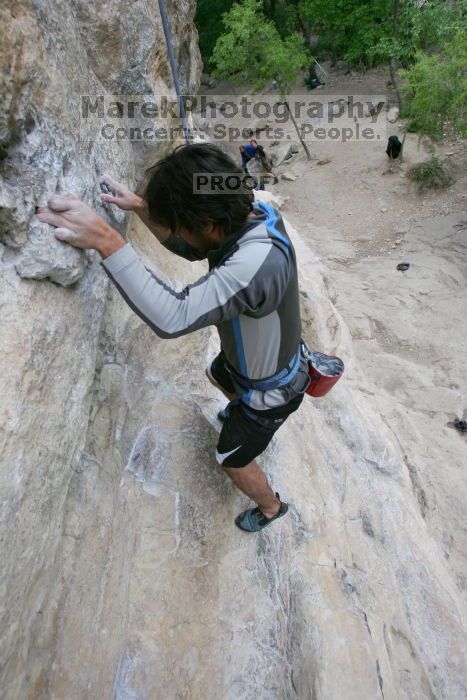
column 323, row 373
column 278, row 380
column 173, row 66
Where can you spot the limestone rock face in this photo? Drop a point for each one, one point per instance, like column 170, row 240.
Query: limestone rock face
column 52, row 296
column 54, row 55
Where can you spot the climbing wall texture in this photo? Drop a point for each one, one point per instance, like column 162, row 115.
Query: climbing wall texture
column 52, row 296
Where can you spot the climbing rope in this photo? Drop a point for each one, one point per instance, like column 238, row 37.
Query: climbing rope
column 173, row 66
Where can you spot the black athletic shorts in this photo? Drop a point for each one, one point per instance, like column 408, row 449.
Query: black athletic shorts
column 246, row 432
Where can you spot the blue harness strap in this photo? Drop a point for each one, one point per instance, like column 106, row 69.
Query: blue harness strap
column 271, row 222
column 285, row 376
column 282, row 378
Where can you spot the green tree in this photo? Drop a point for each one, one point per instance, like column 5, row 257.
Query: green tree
column 252, row 51
column 285, row 15
column 378, row 32
column 392, row 33
column 348, row 29
column 210, row 26
column 435, row 88
column 261, row 41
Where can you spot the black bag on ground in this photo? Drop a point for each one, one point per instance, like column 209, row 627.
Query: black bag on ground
column 394, row 147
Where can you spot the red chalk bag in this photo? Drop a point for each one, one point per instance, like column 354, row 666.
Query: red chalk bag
column 324, row 372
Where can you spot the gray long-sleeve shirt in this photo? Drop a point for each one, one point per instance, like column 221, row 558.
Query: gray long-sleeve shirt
column 250, row 293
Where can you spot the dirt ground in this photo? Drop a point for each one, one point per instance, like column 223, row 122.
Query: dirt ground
column 362, row 216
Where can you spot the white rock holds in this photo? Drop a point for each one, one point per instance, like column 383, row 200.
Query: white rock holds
column 283, row 152
column 393, row 115
column 288, row 175
column 44, row 256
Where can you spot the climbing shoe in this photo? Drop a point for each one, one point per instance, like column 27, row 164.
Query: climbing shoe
column 253, row 520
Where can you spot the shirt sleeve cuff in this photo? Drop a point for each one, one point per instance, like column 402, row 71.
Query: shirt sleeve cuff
column 119, row 260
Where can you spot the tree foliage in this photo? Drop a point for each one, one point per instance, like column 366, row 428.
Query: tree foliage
column 285, row 15
column 435, row 87
column 348, row 29
column 251, row 49
column 210, row 25
column 255, row 42
column 363, row 33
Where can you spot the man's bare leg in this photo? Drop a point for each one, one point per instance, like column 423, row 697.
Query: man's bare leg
column 253, row 482
column 251, row 479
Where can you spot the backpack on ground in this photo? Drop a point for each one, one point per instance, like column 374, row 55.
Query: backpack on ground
column 394, row 147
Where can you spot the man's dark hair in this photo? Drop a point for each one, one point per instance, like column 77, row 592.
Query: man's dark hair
column 172, row 202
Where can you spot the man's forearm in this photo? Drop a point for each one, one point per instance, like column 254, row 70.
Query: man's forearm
column 111, row 241
column 160, row 232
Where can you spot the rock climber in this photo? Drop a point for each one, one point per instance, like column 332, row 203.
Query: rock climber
column 244, row 157
column 247, row 152
column 259, row 166
column 250, row 294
